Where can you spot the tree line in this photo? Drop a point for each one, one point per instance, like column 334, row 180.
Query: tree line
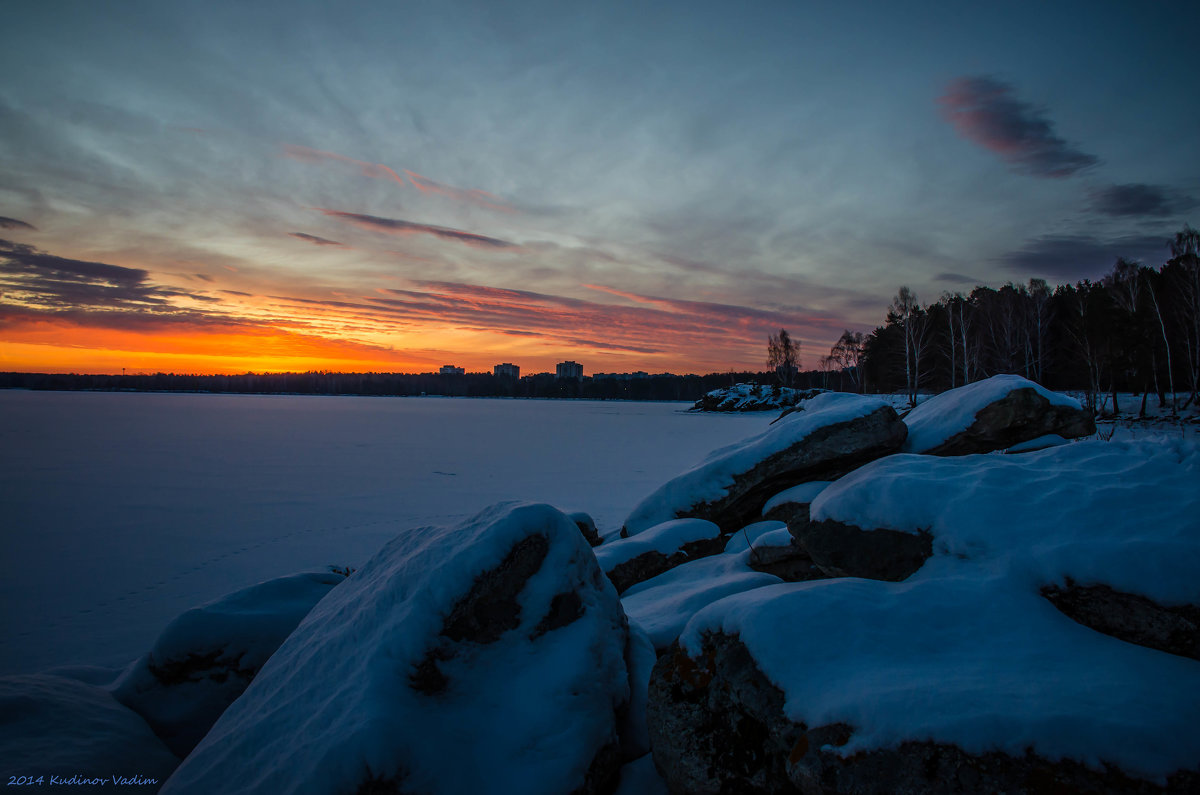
column 1136, row 330
column 545, row 385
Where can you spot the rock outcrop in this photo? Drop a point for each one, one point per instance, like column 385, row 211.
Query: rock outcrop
column 960, row 678
column 629, row 561
column 753, row 397
column 993, row 414
column 833, row 435
column 490, row 657
column 207, row 656
column 1174, row 629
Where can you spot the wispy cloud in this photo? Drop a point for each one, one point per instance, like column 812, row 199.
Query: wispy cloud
column 471, row 195
column 395, row 226
column 13, row 223
column 1139, row 200
column 421, row 183
column 374, row 170
column 986, row 111
column 316, row 241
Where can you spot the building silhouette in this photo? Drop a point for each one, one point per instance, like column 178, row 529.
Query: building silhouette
column 449, row 369
column 569, row 370
column 506, row 370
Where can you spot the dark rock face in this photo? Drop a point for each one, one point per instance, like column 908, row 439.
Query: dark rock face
column 717, row 726
column 587, row 526
column 1020, row 416
column 842, row 550
column 789, row 513
column 653, row 563
column 826, row 454
column 789, row 563
column 1130, row 617
column 716, row 723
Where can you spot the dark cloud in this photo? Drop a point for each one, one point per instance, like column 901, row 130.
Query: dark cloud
column 1069, row 258
column 13, row 223
column 316, row 241
column 1149, row 201
column 35, row 278
column 956, row 278
column 985, row 111
column 204, row 277
column 395, row 226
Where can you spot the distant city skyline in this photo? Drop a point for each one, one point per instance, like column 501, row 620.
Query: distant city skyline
column 220, row 188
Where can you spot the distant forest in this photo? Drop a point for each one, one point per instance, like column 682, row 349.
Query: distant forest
column 1135, row 330
column 543, row 385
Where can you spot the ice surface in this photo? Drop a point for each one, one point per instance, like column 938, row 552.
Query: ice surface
column 937, row 419
column 710, row 479
column 122, row 510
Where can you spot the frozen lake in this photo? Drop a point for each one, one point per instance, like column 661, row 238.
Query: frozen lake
column 118, row 511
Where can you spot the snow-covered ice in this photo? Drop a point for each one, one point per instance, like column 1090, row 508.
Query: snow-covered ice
column 123, row 510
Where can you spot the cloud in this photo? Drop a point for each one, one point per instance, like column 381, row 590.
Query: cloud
column 316, row 241
column 35, row 278
column 375, row 170
column 985, row 111
column 1067, row 257
column 1136, row 199
column 13, row 223
column 956, row 278
column 395, row 226
column 379, row 171
column 471, row 195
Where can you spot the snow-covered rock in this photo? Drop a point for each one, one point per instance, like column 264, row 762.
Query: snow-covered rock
column 753, row 397
column 791, row 505
column 75, row 735
column 998, row 412
column 663, row 605
column 628, row 561
column 207, row 656
column 488, row 657
column 587, row 526
column 964, row 677
column 835, row 433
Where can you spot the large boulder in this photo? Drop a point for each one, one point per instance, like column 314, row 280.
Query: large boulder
column 832, row 435
column 75, row 735
column 993, row 414
column 963, row 677
column 488, row 657
column 207, row 656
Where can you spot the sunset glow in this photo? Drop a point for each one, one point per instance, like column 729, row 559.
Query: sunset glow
column 655, row 192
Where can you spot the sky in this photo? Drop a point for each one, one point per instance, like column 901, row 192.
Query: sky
column 225, row 187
